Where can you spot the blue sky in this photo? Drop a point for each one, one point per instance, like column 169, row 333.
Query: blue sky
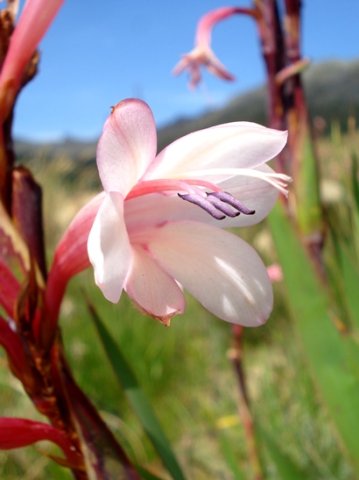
column 97, row 53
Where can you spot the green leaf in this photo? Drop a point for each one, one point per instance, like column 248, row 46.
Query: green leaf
column 306, row 186
column 104, row 457
column 349, row 279
column 333, row 359
column 146, row 475
column 137, row 399
column 355, row 179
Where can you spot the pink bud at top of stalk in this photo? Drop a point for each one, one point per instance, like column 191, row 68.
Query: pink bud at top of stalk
column 34, row 21
column 202, row 54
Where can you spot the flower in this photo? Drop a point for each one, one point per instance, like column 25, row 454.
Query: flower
column 158, row 225
column 202, row 53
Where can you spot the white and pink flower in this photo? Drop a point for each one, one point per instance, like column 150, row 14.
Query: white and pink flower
column 158, row 227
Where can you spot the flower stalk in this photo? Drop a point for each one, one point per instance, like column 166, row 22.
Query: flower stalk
column 235, row 355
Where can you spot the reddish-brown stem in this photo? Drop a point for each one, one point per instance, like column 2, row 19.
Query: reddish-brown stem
column 271, row 38
column 236, row 357
column 7, row 160
column 299, row 128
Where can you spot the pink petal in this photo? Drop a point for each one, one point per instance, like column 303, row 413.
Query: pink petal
column 152, row 289
column 70, row 256
column 127, row 145
column 109, row 249
column 71, row 252
column 223, row 272
column 220, row 71
column 231, row 145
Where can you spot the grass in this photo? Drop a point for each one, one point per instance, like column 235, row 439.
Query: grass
column 184, row 370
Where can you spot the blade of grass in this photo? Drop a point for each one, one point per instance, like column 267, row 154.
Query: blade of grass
column 137, row 398
column 331, row 357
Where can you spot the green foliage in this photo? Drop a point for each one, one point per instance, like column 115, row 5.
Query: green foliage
column 137, row 398
column 332, row 357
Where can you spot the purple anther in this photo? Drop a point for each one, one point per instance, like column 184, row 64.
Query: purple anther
column 227, row 198
column 224, row 207
column 203, row 203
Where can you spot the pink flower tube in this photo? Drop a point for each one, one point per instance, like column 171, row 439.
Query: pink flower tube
column 34, row 21
column 159, row 225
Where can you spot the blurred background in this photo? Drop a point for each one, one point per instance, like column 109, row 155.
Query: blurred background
column 95, row 54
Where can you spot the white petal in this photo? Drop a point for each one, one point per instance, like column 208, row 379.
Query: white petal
column 109, row 249
column 254, row 193
column 223, row 272
column 152, row 289
column 127, row 146
column 232, row 145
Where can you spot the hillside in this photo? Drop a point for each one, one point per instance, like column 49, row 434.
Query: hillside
column 332, row 90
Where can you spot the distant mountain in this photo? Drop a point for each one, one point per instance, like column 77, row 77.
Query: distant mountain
column 332, row 90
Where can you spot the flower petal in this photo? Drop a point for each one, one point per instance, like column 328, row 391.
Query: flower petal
column 109, row 249
column 218, row 268
column 152, row 289
column 254, row 193
column 127, row 145
column 71, row 256
column 232, row 145
column 71, row 252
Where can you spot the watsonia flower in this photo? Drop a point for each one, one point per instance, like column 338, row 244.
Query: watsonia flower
column 202, row 54
column 158, row 225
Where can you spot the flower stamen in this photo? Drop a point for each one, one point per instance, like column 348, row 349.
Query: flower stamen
column 218, row 204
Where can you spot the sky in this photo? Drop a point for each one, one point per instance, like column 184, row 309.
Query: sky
column 97, row 53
